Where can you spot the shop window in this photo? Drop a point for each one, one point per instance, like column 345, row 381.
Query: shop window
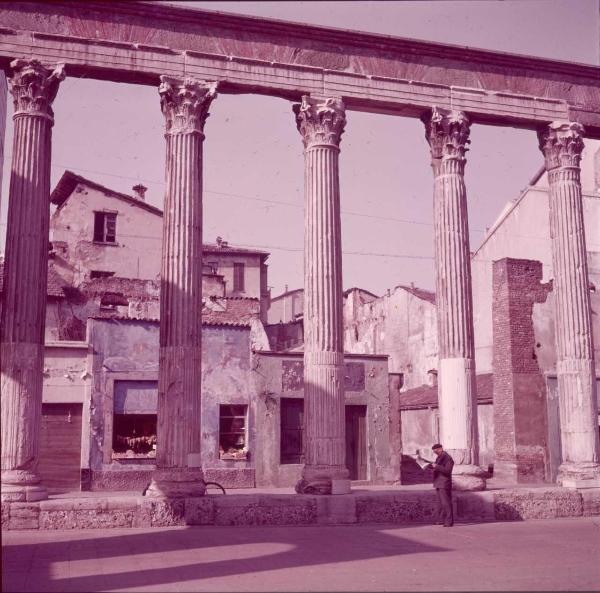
column 232, row 431
column 134, row 435
column 105, row 227
column 292, row 430
column 238, row 277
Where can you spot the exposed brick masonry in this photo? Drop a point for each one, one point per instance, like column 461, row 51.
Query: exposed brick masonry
column 520, row 423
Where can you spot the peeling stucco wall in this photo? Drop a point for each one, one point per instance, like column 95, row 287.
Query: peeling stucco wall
column 136, row 253
column 401, row 325
column 128, row 350
column 278, row 375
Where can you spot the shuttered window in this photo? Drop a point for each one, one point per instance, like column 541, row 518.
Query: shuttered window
column 105, row 227
column 238, row 277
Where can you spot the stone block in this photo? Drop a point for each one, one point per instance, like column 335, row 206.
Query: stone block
column 336, row 510
column 23, row 515
column 5, row 514
column 57, row 519
column 591, row 502
column 88, row 519
column 520, row 505
column 163, row 512
column 399, row 508
column 60, row 504
column 200, row 511
column 264, row 510
column 122, row 504
column 474, row 506
column 231, row 477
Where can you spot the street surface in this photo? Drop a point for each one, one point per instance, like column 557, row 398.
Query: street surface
column 559, row 554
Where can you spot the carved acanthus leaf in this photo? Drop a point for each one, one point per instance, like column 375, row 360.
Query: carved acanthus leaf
column 320, row 121
column 447, row 133
column 34, row 87
column 185, row 103
column 561, row 143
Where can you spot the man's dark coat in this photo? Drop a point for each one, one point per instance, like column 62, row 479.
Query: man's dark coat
column 442, row 471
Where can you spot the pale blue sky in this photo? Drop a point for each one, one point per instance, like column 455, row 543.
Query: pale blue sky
column 253, row 168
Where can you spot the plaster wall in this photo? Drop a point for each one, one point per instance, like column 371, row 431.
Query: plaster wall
column 278, row 375
column 65, row 372
column 252, row 270
column 286, row 307
column 524, row 233
column 136, row 253
column 420, row 429
column 127, row 350
column 401, row 325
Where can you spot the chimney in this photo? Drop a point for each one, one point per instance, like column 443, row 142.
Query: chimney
column 139, row 192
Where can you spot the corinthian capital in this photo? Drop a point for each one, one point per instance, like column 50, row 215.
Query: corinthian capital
column 320, row 121
column 185, row 103
column 34, row 87
column 561, row 143
column 447, row 133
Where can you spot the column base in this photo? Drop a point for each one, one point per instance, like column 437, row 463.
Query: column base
column 22, row 486
column 176, row 483
column 585, row 474
column 324, row 480
column 469, row 477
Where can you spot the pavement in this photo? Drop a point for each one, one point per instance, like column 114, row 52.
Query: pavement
column 543, row 555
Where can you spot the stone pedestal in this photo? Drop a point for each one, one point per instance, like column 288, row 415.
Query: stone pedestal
column 448, row 135
column 33, row 88
column 562, row 144
column 185, row 105
column 321, row 124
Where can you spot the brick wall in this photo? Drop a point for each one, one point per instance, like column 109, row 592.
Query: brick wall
column 520, row 420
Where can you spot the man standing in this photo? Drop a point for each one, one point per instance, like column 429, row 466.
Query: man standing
column 442, row 482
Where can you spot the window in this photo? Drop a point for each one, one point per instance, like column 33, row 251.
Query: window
column 134, row 419
column 105, row 227
column 213, row 266
column 238, row 277
column 134, row 435
column 100, row 274
column 232, row 431
column 292, row 430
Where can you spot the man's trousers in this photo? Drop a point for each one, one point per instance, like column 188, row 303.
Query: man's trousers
column 445, row 512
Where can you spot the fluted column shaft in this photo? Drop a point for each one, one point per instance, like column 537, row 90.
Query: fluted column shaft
column 185, row 105
column 562, row 144
column 321, row 123
column 448, row 136
column 33, row 88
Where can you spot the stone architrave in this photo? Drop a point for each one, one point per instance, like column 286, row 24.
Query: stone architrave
column 448, row 135
column 185, row 105
column 321, row 123
column 33, row 88
column 562, row 144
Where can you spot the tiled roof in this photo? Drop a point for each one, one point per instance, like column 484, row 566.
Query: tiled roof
column 421, row 293
column 206, row 320
column 69, row 181
column 427, row 396
column 55, row 282
column 239, row 312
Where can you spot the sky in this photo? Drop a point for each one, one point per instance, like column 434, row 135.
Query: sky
column 253, row 161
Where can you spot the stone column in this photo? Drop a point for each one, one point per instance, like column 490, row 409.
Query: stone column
column 185, row 106
column 562, row 144
column 33, row 88
column 448, row 136
column 321, row 124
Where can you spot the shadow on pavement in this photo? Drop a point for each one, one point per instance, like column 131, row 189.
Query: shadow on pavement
column 173, row 555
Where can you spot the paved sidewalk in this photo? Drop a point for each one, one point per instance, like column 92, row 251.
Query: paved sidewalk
column 558, row 554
